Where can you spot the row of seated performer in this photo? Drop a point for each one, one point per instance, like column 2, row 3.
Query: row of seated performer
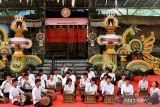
column 40, row 90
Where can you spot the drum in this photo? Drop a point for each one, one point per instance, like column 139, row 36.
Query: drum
column 25, row 98
column 4, row 100
column 47, row 101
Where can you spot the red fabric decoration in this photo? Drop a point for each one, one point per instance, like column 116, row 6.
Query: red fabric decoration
column 66, row 35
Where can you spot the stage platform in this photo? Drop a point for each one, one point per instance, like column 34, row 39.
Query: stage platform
column 59, row 103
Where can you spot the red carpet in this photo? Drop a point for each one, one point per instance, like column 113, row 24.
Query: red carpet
column 59, row 103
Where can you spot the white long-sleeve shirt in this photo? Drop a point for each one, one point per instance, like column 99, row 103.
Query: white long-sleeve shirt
column 102, row 75
column 44, row 77
column 14, row 92
column 120, row 83
column 102, row 83
column 154, row 91
column 64, row 81
column 31, row 77
column 127, row 89
column 57, row 78
column 108, row 89
column 143, row 84
column 30, row 84
column 73, row 77
column 69, row 89
column 6, row 86
column 83, row 82
column 64, row 70
column 1, row 94
column 91, row 89
column 36, row 93
column 51, row 83
column 112, row 75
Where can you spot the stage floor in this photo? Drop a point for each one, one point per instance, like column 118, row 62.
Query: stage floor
column 59, row 103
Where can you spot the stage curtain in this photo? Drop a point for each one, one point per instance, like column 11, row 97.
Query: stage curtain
column 66, row 35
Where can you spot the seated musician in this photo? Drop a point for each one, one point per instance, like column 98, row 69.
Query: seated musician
column 106, row 70
column 91, row 74
column 103, row 81
column 43, row 82
column 31, row 76
column 84, row 80
column 91, row 88
column 15, row 94
column 120, row 83
column 27, row 84
column 154, row 93
column 6, row 85
column 69, row 87
column 20, row 79
column 72, row 76
column 112, row 75
column 143, row 84
column 43, row 76
column 127, row 88
column 57, row 77
column 67, row 75
column 51, row 82
column 108, row 87
column 37, row 93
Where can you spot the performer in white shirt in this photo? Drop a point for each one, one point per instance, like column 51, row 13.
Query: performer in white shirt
column 64, row 69
column 143, row 84
column 36, row 93
column 120, row 83
column 6, row 86
column 91, row 74
column 51, row 82
column 67, row 75
column 57, row 77
column 72, row 76
column 105, row 72
column 31, row 76
column 127, row 89
column 103, row 81
column 69, row 87
column 15, row 94
column 91, row 89
column 154, row 93
column 43, row 82
column 113, row 76
column 27, row 84
column 43, row 76
column 108, row 88
column 84, row 80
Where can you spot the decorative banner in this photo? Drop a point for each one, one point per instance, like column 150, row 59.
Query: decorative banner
column 65, row 12
column 66, row 21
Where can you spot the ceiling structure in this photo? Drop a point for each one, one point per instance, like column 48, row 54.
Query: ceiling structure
column 51, row 4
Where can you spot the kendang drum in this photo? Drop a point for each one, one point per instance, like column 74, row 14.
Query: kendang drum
column 109, row 99
column 90, row 98
column 68, row 98
column 45, row 101
column 3, row 100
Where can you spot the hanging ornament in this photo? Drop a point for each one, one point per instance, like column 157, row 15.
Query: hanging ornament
column 92, row 37
column 116, row 3
column 57, row 1
column 27, row 2
column 106, row 3
column 63, row 2
column 73, row 3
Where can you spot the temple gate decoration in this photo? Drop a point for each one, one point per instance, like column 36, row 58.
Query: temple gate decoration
column 19, row 60
column 139, row 49
column 4, row 48
column 109, row 57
